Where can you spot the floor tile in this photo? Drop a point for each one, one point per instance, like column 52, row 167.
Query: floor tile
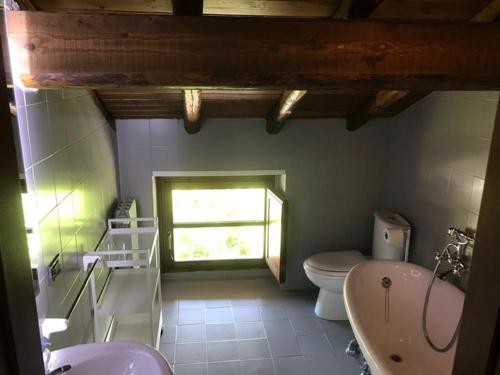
column 257, row 367
column 191, row 316
column 202, row 334
column 222, row 351
column 254, row 349
column 302, row 309
column 347, row 364
column 306, row 326
column 275, row 328
column 224, row 368
column 191, row 333
column 250, row 330
column 190, row 353
column 169, row 335
column 338, row 333
column 291, row 366
column 324, row 366
column 314, row 346
column 246, row 313
column 272, row 312
column 219, row 332
column 219, row 315
column 191, row 369
column 284, row 346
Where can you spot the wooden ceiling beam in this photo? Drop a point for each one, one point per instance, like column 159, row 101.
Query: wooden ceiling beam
column 192, row 111
column 390, row 102
column 187, row 7
column 118, row 50
column 384, row 104
column 363, row 8
column 343, row 9
column 280, row 113
column 490, row 13
column 192, row 98
column 26, row 5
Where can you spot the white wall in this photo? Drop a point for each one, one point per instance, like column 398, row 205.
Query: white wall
column 69, row 157
column 439, row 152
column 334, row 177
column 428, row 163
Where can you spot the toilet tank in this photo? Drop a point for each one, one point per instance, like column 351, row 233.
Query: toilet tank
column 390, row 244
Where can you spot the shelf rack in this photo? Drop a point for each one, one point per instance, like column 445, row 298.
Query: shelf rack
column 128, row 307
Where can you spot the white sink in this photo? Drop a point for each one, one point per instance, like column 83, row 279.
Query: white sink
column 394, row 343
column 110, row 358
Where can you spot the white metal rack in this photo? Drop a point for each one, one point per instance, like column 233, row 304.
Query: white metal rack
column 127, row 307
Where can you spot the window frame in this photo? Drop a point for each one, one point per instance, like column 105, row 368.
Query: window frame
column 164, row 186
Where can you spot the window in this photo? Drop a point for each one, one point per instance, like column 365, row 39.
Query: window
column 220, row 222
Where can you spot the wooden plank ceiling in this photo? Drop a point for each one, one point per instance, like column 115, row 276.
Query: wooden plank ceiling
column 277, row 106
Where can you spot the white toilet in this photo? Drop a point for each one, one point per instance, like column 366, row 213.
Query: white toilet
column 391, row 234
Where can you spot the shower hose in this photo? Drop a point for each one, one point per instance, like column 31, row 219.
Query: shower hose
column 424, row 318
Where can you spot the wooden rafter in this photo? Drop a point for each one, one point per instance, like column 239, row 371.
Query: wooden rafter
column 384, row 103
column 192, row 111
column 283, row 110
column 187, row 7
column 343, row 10
column 26, row 5
column 363, row 8
column 391, row 102
column 191, row 98
column 118, row 50
column 489, row 13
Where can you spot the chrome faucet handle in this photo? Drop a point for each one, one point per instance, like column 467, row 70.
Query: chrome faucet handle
column 461, row 237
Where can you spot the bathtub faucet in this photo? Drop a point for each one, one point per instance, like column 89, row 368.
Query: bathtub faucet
column 454, row 252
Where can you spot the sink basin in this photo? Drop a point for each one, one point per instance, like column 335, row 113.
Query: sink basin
column 110, row 358
column 393, row 342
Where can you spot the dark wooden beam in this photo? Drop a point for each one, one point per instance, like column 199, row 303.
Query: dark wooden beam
column 343, row 9
column 283, row 109
column 187, row 7
column 192, row 111
column 192, row 98
column 390, row 102
column 363, row 8
column 26, row 5
column 489, row 13
column 479, row 339
column 385, row 103
column 120, row 50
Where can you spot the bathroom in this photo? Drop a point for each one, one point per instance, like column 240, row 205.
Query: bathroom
column 79, row 152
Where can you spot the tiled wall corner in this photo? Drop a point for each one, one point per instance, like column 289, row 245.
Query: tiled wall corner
column 442, row 145
column 69, row 156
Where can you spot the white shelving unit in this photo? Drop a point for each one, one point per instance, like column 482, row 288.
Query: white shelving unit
column 128, row 305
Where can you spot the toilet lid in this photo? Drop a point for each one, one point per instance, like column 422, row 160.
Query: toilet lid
column 336, row 261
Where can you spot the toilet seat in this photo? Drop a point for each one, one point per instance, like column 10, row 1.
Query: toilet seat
column 334, row 264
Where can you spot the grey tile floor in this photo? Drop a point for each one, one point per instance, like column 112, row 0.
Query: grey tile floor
column 249, row 327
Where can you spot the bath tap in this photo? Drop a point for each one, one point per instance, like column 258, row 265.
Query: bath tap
column 454, row 252
column 444, row 275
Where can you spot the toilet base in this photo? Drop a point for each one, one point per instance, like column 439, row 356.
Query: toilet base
column 330, row 305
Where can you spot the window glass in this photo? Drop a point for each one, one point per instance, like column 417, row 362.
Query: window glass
column 217, row 205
